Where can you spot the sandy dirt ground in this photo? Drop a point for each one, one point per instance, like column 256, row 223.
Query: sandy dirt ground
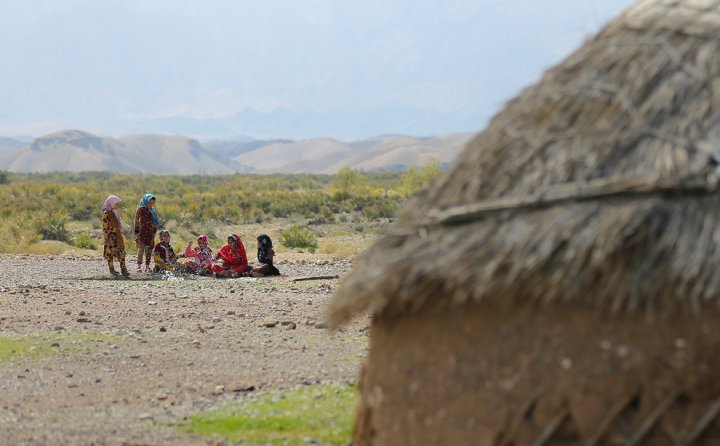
column 131, row 360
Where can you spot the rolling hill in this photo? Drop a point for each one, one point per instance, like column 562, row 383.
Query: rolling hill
column 8, row 144
column 76, row 151
column 394, row 153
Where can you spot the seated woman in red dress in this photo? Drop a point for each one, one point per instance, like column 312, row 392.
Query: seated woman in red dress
column 233, row 259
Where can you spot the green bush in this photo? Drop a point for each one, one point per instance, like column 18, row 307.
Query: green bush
column 52, row 227
column 327, row 214
column 348, row 183
column 85, row 242
column 300, row 238
column 416, row 179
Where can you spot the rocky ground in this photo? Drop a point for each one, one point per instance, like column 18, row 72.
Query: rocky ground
column 126, row 361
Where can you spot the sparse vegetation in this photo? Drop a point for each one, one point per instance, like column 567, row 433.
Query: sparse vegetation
column 299, row 238
column 64, row 207
column 83, row 241
column 317, row 414
column 415, row 178
column 39, row 345
column 339, row 249
column 52, row 227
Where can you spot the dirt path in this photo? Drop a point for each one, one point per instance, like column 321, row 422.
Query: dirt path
column 133, row 358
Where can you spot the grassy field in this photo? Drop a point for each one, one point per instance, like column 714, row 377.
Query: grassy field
column 308, row 415
column 328, row 214
column 13, row 347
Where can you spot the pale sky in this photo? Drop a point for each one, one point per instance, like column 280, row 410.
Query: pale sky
column 296, row 69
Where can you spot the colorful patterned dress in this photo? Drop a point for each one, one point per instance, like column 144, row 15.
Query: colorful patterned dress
column 165, row 258
column 114, row 247
column 198, row 260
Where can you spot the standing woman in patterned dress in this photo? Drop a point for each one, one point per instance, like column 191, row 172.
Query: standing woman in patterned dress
column 147, row 224
column 114, row 247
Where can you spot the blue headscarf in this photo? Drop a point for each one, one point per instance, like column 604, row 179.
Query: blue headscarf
column 144, row 202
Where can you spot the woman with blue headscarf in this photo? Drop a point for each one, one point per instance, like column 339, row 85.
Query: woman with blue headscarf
column 147, row 224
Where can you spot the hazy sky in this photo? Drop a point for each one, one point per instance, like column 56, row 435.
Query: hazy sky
column 277, row 68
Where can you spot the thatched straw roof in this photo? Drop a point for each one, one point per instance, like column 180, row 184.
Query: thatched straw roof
column 596, row 185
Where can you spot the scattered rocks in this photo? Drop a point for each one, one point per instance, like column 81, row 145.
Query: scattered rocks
column 566, row 363
column 622, row 351
column 154, row 358
column 269, row 323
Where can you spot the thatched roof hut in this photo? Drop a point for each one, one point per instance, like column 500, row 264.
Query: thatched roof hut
column 563, row 277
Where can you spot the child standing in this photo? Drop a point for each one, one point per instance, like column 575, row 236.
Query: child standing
column 146, row 225
column 114, row 245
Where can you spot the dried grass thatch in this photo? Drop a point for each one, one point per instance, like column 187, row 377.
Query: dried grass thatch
column 596, row 185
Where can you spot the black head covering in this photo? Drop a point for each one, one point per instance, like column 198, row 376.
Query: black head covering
column 265, row 245
column 264, row 239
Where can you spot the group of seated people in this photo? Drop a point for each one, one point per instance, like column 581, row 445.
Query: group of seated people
column 230, row 260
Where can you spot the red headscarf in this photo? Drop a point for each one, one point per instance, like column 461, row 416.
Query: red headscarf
column 236, row 257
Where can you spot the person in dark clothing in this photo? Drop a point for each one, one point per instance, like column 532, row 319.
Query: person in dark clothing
column 147, row 224
column 265, row 255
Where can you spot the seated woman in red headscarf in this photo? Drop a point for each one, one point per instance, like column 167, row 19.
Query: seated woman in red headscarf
column 233, row 259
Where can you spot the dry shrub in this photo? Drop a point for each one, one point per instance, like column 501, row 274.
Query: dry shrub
column 341, row 249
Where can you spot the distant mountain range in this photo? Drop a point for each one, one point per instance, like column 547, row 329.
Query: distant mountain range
column 8, row 144
column 76, row 151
